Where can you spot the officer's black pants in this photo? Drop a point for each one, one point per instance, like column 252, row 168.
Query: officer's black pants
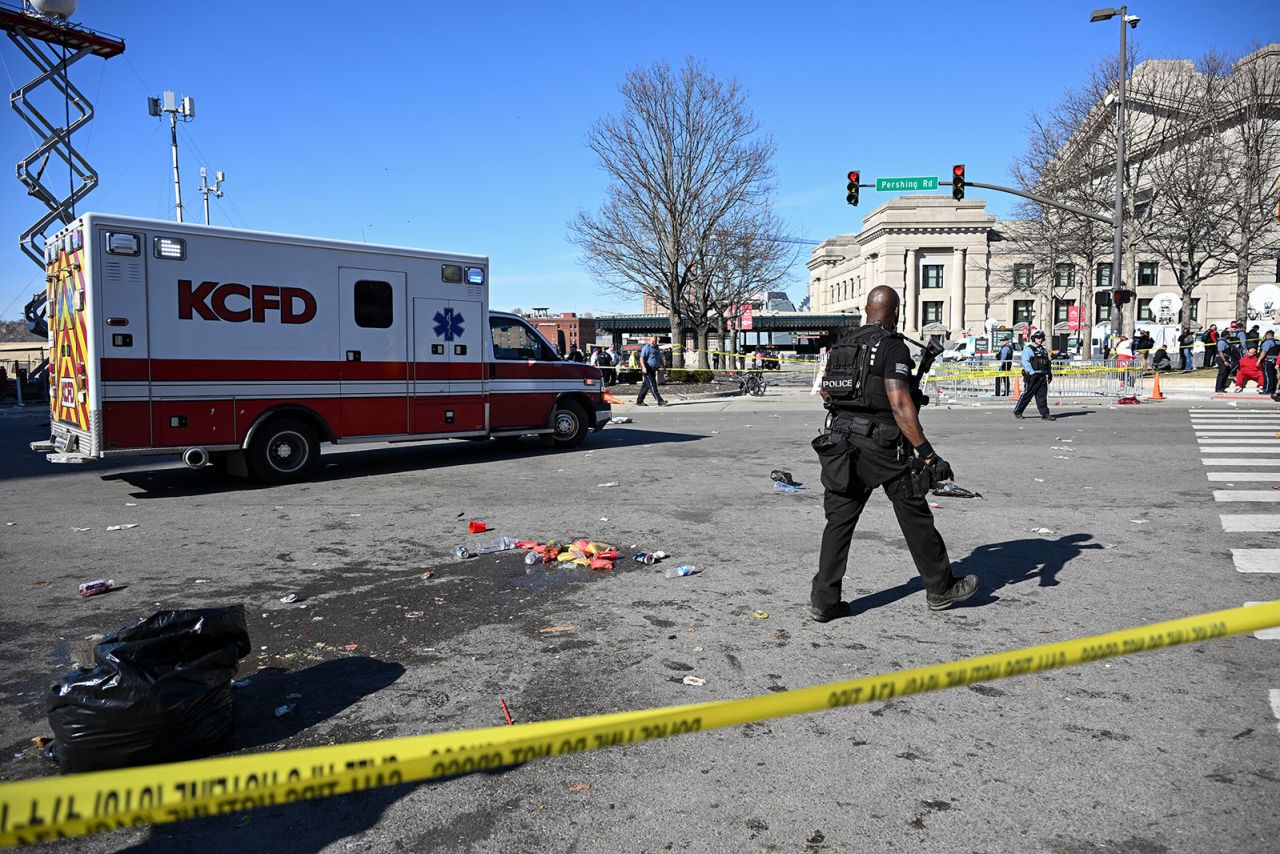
column 1037, row 387
column 843, row 510
column 1224, row 376
column 1002, row 383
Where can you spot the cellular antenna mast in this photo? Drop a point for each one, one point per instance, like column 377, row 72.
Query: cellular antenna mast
column 42, row 31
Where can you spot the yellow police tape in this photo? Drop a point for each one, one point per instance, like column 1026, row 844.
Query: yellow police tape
column 79, row 804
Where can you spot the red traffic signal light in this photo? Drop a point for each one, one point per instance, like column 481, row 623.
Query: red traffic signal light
column 1121, row 297
column 852, row 188
column 957, row 181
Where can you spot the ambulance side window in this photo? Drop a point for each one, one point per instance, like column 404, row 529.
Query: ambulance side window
column 373, row 304
column 517, row 342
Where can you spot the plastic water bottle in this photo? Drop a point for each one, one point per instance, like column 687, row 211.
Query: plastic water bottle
column 532, row 557
column 499, row 545
column 788, row 488
column 681, row 571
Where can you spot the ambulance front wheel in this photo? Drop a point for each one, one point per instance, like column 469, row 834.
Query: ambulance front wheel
column 283, row 450
column 568, row 426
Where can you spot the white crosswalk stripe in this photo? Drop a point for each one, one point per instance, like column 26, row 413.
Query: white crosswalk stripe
column 1237, row 461
column 1265, row 634
column 1250, row 522
column 1239, row 449
column 1237, row 441
column 1243, row 476
column 1238, row 434
column 1256, row 560
column 1275, row 704
column 1268, row 495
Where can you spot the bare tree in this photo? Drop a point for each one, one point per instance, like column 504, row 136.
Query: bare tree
column 682, row 157
column 745, row 256
column 1252, row 135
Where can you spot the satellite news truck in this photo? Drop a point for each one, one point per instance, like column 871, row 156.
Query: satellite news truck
column 247, row 350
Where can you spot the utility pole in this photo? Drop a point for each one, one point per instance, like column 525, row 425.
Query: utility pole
column 1117, row 247
column 205, row 189
column 186, row 108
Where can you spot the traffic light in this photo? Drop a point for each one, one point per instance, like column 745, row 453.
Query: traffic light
column 852, row 198
column 1121, row 297
column 957, row 182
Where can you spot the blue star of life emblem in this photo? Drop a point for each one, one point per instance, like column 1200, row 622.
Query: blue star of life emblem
column 448, row 324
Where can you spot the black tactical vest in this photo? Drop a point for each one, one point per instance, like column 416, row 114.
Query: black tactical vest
column 848, row 381
column 1039, row 358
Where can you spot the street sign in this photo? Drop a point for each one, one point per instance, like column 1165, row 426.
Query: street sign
column 893, row 185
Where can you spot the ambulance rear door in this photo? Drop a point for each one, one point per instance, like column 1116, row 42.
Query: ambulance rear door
column 373, row 346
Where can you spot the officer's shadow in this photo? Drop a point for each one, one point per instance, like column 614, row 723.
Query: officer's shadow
column 1015, row 561
column 997, row 565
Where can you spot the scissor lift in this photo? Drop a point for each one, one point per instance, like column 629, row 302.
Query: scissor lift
column 53, row 45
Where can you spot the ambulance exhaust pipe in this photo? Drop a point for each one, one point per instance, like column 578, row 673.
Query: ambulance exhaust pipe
column 195, row 457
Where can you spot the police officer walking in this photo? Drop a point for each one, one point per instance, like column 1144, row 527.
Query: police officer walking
column 1037, row 373
column 874, row 439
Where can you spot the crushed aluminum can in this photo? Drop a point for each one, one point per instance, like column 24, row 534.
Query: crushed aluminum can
column 93, row 588
column 645, row 558
column 461, row 553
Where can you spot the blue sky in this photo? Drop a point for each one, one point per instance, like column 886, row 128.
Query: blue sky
column 461, row 125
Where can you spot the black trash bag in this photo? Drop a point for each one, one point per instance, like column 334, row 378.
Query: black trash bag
column 950, row 489
column 781, row 476
column 159, row 691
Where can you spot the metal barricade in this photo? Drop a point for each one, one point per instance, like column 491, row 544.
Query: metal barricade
column 977, row 379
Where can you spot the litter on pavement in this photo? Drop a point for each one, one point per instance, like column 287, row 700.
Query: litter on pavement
column 950, row 489
column 696, row 681
column 1043, row 531
column 620, row 419
column 290, row 599
column 122, row 527
column 286, row 709
column 782, row 477
column 94, row 588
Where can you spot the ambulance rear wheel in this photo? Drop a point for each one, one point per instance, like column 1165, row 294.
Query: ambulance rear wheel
column 568, row 426
column 283, row 450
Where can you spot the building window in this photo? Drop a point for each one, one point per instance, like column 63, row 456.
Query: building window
column 1195, row 309
column 1148, row 273
column 1023, row 311
column 1144, row 310
column 932, row 275
column 1102, row 310
column 1102, row 278
column 373, row 304
column 1022, row 274
column 1060, row 307
column 1063, row 276
column 932, row 310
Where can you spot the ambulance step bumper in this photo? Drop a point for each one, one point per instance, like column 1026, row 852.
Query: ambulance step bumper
column 44, row 446
column 66, row 458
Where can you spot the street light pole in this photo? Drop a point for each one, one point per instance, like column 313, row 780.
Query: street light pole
column 1117, row 248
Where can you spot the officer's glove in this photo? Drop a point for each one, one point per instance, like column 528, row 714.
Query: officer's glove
column 941, row 469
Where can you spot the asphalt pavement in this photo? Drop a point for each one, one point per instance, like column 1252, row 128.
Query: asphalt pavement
column 1173, row 750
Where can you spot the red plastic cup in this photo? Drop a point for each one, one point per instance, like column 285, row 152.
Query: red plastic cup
column 477, row 527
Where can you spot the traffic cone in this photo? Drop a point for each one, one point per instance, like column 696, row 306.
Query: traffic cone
column 1155, row 390
column 1017, row 385
column 609, row 397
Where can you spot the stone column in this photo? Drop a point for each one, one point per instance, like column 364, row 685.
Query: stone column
column 911, row 295
column 955, row 292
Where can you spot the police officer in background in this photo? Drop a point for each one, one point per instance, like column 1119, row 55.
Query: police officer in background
column 1037, row 373
column 874, row 439
column 1006, row 363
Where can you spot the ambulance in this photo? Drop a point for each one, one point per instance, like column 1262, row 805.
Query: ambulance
column 248, row 350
